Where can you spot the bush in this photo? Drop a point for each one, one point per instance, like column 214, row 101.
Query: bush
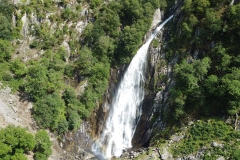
column 5, row 28
column 5, row 50
column 62, row 126
column 43, row 146
column 18, row 68
column 73, row 119
column 203, row 133
column 14, row 142
column 48, row 110
column 6, row 76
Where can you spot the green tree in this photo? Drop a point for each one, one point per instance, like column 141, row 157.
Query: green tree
column 5, row 50
column 5, row 28
column 62, row 126
column 188, row 88
column 69, row 96
column 7, row 8
column 18, row 68
column 104, row 48
column 85, row 61
column 201, row 6
column 187, row 7
column 131, row 11
column 36, row 81
column 73, row 118
column 130, row 40
column 48, row 111
column 95, row 3
column 43, row 145
column 231, row 82
column 192, row 21
column 14, row 142
column 110, row 22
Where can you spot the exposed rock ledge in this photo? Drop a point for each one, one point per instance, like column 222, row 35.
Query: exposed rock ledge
column 16, row 110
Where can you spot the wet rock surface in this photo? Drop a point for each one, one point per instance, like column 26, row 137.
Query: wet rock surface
column 77, row 145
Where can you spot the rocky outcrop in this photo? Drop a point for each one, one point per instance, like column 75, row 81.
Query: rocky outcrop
column 77, row 145
column 100, row 114
column 14, row 109
column 158, row 74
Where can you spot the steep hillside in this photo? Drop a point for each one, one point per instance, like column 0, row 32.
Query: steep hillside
column 66, row 57
column 58, row 54
column 198, row 115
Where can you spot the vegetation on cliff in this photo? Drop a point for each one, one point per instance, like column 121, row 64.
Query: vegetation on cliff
column 59, row 57
column 214, row 137
column 16, row 142
column 205, row 40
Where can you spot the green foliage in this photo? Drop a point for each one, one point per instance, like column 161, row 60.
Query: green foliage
column 5, row 50
column 43, row 146
column 5, row 28
column 14, row 142
column 75, row 109
column 203, row 134
column 6, row 9
column 69, row 70
column 110, row 22
column 62, row 126
column 131, row 39
column 36, row 81
column 73, row 119
column 95, row 3
column 85, row 61
column 155, row 43
column 209, row 29
column 118, row 30
column 188, row 85
column 231, row 82
column 48, row 111
column 69, row 14
column 112, row 37
column 104, row 48
column 18, row 68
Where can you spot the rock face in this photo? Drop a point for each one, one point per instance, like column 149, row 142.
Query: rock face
column 77, row 145
column 15, row 110
column 156, row 68
column 100, row 114
column 154, row 92
column 166, row 155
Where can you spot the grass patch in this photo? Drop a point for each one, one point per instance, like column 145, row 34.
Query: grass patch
column 202, row 135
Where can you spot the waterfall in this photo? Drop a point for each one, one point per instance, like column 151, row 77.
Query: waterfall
column 125, row 109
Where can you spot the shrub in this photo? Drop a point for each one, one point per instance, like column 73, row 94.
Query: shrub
column 43, row 145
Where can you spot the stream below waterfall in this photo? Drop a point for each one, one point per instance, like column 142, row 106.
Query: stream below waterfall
column 125, row 110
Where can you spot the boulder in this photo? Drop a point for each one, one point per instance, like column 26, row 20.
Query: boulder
column 124, row 155
column 176, row 138
column 165, row 154
column 190, row 123
column 220, row 158
column 216, row 144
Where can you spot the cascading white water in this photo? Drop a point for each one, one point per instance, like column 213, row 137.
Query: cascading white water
column 126, row 106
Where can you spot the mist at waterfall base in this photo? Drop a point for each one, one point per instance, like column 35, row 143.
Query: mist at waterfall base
column 125, row 110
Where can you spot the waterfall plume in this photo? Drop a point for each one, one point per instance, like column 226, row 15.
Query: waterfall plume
column 125, row 110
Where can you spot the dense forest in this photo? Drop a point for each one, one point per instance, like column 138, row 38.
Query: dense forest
column 205, row 40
